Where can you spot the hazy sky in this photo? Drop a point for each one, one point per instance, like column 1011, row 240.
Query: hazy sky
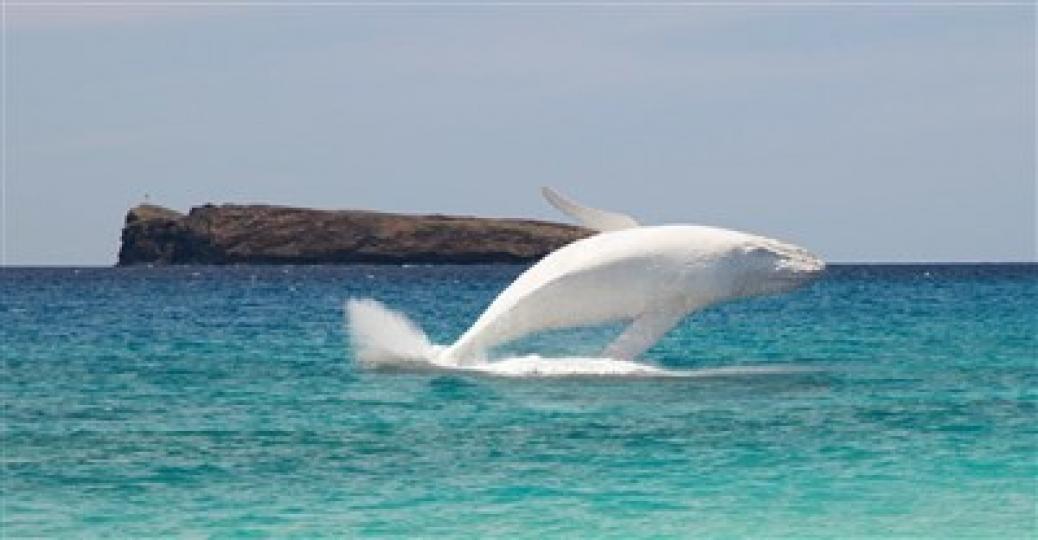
column 883, row 133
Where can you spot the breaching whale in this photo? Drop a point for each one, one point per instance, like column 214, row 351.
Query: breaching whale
column 652, row 276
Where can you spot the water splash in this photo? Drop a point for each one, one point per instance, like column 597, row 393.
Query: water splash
column 386, row 340
column 381, row 336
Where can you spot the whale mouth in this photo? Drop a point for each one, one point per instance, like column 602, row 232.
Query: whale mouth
column 799, row 269
column 789, row 280
column 801, row 262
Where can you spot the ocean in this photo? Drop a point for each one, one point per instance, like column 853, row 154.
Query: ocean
column 225, row 402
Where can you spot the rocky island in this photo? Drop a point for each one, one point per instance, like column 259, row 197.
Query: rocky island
column 262, row 234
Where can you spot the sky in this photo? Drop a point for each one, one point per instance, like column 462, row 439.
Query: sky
column 887, row 132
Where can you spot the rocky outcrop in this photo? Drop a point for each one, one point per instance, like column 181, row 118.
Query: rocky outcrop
column 259, row 234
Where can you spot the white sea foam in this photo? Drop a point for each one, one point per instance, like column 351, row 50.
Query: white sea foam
column 540, row 366
column 386, row 340
column 382, row 336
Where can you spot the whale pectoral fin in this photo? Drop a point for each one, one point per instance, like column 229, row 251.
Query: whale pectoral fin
column 592, row 218
column 643, row 332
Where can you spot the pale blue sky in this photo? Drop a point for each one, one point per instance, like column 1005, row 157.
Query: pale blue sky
column 863, row 133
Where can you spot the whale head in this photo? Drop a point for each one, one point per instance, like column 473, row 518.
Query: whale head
column 764, row 266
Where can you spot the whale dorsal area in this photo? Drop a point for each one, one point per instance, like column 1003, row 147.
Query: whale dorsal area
column 592, row 218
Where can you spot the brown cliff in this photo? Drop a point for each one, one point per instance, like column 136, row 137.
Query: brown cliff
column 259, row 234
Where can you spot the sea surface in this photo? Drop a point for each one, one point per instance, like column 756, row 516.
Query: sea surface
column 225, row 402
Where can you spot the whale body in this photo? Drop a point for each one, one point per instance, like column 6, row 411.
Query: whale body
column 652, row 276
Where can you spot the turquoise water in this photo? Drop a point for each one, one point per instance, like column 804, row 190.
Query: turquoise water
column 224, row 402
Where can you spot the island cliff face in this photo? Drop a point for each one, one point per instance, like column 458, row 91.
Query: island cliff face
column 258, row 234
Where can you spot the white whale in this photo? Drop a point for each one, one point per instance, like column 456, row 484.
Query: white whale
column 652, row 276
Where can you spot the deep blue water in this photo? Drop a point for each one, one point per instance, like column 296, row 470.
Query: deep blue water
column 224, row 402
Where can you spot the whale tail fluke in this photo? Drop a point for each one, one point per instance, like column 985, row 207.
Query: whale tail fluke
column 381, row 337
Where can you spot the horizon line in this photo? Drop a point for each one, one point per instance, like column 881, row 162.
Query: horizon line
column 30, row 266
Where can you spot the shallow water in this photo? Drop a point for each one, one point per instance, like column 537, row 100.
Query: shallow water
column 893, row 401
